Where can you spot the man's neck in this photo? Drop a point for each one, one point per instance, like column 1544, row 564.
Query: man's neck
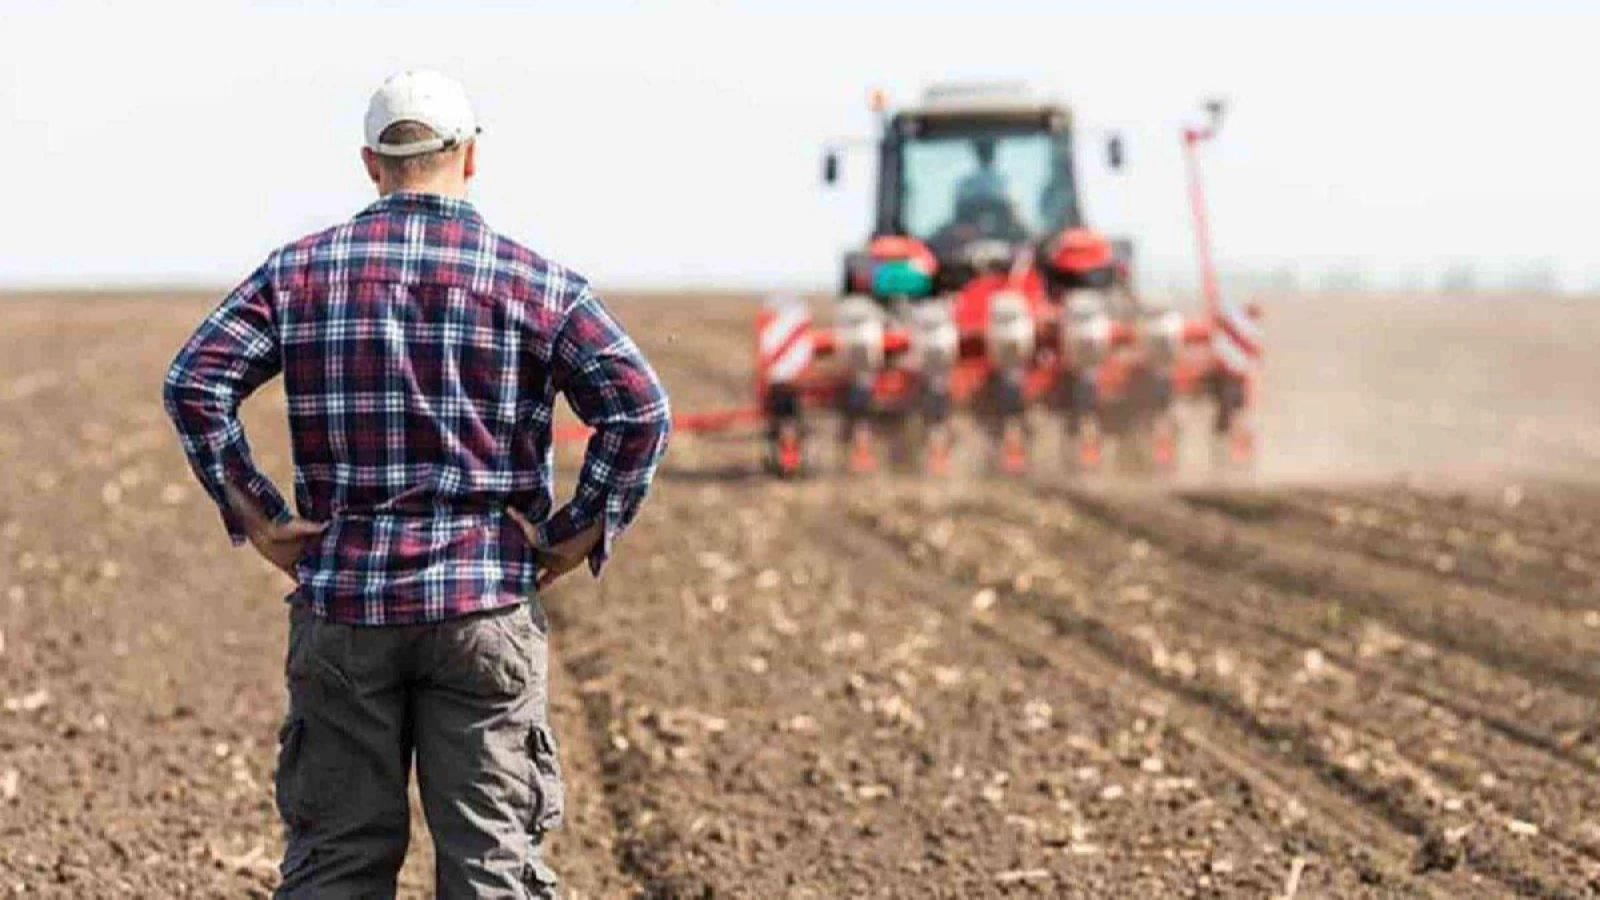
column 455, row 190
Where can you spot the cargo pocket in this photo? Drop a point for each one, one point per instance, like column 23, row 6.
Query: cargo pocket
column 540, row 880
column 548, row 796
column 285, row 781
column 307, row 779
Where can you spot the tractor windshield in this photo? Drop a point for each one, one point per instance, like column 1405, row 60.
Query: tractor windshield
column 1005, row 185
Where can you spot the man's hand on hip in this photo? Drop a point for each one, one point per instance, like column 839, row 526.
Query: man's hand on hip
column 558, row 559
column 279, row 543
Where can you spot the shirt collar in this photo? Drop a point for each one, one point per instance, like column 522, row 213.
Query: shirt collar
column 426, row 204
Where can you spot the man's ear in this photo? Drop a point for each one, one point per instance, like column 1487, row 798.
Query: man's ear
column 370, row 160
column 471, row 165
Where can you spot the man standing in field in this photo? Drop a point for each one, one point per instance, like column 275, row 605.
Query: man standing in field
column 422, row 354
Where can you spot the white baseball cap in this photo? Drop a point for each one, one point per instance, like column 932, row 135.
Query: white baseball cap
column 427, row 98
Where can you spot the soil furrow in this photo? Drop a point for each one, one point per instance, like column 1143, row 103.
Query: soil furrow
column 857, row 663
column 1524, row 528
column 1548, row 720
column 1324, row 737
column 1086, row 645
column 1552, row 509
column 588, row 852
column 1549, row 646
column 1517, row 769
column 1438, row 546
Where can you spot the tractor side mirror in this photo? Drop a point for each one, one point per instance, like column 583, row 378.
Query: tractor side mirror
column 1114, row 152
column 830, row 168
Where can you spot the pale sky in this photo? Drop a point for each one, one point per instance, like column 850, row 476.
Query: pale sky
column 665, row 144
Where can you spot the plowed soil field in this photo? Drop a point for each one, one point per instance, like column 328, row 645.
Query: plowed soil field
column 1371, row 670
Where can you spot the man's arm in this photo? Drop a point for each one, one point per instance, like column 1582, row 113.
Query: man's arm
column 233, row 352
column 613, row 390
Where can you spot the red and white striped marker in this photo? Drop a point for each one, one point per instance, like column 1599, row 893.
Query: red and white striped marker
column 783, row 340
column 1236, row 339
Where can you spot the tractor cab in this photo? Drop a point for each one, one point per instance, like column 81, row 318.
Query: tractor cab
column 974, row 173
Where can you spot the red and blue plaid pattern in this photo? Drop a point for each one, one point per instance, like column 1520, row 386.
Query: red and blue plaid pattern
column 422, row 354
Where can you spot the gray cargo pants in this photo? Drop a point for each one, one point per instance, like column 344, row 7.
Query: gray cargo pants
column 467, row 697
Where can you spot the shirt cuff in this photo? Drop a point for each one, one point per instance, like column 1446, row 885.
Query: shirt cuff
column 569, row 520
column 266, row 496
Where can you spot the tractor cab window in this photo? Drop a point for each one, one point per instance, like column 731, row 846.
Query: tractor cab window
column 959, row 187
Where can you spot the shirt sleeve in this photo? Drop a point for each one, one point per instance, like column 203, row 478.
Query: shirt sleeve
column 611, row 387
column 233, row 352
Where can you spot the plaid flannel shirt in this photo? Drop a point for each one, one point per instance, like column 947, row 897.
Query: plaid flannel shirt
column 422, row 354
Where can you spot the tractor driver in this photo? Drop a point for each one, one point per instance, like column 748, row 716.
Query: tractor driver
column 985, row 182
column 983, row 204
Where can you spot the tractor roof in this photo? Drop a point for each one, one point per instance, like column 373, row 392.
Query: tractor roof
column 1003, row 99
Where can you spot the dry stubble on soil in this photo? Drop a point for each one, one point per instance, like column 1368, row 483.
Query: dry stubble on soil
column 1340, row 683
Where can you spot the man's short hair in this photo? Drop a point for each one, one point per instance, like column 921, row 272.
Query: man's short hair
column 402, row 168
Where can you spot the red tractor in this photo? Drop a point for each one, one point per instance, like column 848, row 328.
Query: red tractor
column 983, row 288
